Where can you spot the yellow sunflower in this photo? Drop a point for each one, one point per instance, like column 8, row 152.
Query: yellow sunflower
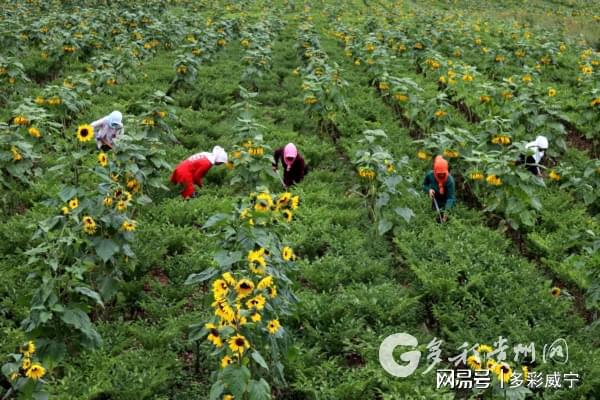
column 220, row 288
column 107, row 201
column 225, row 362
column 85, row 133
column 229, row 279
column 238, row 344
column 121, row 205
column 73, row 203
column 36, row 372
column 244, row 288
column 273, row 326
column 474, row 362
column 26, row 363
column 257, row 302
column 265, row 282
column 287, row 215
column 256, row 317
column 34, row 132
column 102, row 159
column 555, row 291
column 287, row 254
column 128, row 225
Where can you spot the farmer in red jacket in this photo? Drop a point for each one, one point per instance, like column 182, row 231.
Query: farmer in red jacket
column 192, row 170
column 295, row 168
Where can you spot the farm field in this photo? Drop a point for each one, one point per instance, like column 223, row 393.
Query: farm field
column 115, row 287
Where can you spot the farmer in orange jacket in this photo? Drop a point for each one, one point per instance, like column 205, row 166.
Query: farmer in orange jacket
column 439, row 185
column 192, row 170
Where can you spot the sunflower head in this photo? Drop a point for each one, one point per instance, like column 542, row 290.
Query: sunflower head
column 85, row 133
column 273, row 326
column 555, row 291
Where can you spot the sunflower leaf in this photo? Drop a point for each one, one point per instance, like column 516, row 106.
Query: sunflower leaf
column 205, row 275
column 259, row 390
column 256, row 356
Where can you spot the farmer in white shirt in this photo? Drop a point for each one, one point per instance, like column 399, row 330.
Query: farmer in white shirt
column 106, row 130
column 532, row 161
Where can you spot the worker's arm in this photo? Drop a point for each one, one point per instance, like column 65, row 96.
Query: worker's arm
column 428, row 182
column 450, row 194
column 277, row 155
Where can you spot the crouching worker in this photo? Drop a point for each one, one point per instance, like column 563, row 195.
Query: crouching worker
column 532, row 161
column 439, row 184
column 293, row 163
column 192, row 170
column 107, row 129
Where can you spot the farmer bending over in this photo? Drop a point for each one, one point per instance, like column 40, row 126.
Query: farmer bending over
column 439, row 184
column 192, row 170
column 106, row 130
column 295, row 168
column 532, row 161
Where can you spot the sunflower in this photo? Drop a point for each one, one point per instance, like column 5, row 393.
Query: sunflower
column 551, row 92
column 265, row 282
column 504, row 372
column 555, row 291
column 107, row 201
column 272, row 291
column 257, row 302
column 283, row 199
column 244, row 288
column 39, row 100
column 28, row 349
column 295, row 202
column 65, row 210
column 474, row 362
column 128, row 226
column 287, row 253
column 220, row 289
column 485, row 99
column 402, row 98
column 223, row 310
column 225, row 362
column 102, row 159
column 34, row 132
column 85, row 133
column 213, row 335
column 476, row 176
column 20, row 120
column 26, row 363
column 73, row 203
column 35, row 372
column 490, row 364
column 484, row 349
column 238, row 344
column 256, row 317
column 128, row 196
column 133, row 185
column 15, row 154
column 229, row 279
column 273, row 326
column 440, row 113
column 121, row 205
column 287, row 215
column 422, row 155
column 493, row 180
column 14, row 376
column 264, row 202
column 554, row 176
column 89, row 225
column 525, row 373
